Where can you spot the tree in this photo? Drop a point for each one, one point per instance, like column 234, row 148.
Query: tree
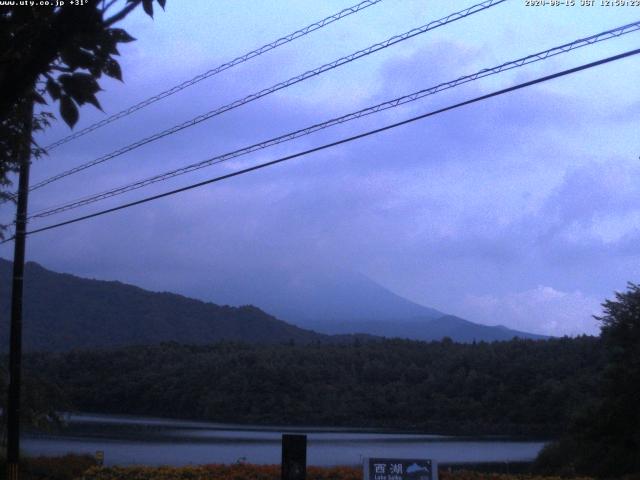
column 620, row 427
column 43, row 400
column 605, row 437
column 55, row 51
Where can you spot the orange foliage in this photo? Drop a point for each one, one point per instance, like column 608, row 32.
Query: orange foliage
column 217, row 472
column 266, row 472
column 67, row 467
column 470, row 475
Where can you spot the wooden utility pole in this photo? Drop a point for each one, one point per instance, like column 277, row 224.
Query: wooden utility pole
column 15, row 347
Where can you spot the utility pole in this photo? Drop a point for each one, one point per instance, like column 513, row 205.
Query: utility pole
column 15, row 346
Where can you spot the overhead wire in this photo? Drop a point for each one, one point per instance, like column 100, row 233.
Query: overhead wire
column 342, row 141
column 214, row 71
column 279, row 86
column 529, row 59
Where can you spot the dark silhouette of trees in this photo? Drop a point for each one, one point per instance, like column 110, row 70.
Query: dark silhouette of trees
column 521, row 387
column 59, row 52
column 604, row 439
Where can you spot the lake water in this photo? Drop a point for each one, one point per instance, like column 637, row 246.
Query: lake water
column 153, row 441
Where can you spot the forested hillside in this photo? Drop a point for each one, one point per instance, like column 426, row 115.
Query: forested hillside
column 518, row 387
column 64, row 311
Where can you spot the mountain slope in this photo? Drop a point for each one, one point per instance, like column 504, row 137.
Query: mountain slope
column 310, row 296
column 62, row 311
column 339, row 302
column 427, row 329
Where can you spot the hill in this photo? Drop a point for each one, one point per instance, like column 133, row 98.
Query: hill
column 340, row 302
column 313, row 296
column 427, row 329
column 63, row 312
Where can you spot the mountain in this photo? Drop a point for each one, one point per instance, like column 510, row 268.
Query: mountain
column 339, row 302
column 63, row 311
column 427, row 329
column 311, row 297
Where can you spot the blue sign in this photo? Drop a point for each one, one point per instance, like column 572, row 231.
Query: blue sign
column 399, row 469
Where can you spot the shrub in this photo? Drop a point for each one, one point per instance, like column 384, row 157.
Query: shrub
column 68, row 467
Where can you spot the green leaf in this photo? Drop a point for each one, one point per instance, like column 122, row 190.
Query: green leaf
column 96, row 70
column 77, row 58
column 109, row 47
column 68, row 111
column 82, row 87
column 38, row 98
column 94, row 101
column 112, row 69
column 147, row 5
column 53, row 89
column 120, row 35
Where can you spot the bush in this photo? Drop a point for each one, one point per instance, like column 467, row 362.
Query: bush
column 265, row 472
column 218, row 472
column 68, row 467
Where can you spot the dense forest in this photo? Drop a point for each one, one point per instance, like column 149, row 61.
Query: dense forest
column 520, row 387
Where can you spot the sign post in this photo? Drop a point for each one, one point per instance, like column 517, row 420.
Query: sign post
column 399, row 469
column 294, row 457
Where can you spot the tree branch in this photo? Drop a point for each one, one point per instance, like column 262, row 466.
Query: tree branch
column 108, row 6
column 122, row 13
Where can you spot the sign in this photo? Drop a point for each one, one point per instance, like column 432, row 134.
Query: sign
column 399, row 469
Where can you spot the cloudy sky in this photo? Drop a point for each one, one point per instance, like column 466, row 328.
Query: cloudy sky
column 521, row 210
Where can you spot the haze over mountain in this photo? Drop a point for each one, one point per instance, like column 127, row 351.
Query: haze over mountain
column 341, row 302
column 64, row 311
column 314, row 296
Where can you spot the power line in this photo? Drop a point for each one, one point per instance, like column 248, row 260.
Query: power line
column 214, row 71
column 279, row 86
column 536, row 57
column 342, row 141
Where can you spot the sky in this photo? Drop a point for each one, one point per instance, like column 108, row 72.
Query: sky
column 521, row 210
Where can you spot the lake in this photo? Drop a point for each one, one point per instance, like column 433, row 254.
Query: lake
column 154, row 441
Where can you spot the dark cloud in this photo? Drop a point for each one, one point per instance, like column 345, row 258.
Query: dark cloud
column 487, row 202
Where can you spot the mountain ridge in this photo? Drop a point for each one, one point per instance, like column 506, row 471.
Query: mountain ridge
column 300, row 295
column 63, row 311
column 430, row 329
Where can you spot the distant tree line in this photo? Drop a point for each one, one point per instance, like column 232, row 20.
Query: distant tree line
column 520, row 387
